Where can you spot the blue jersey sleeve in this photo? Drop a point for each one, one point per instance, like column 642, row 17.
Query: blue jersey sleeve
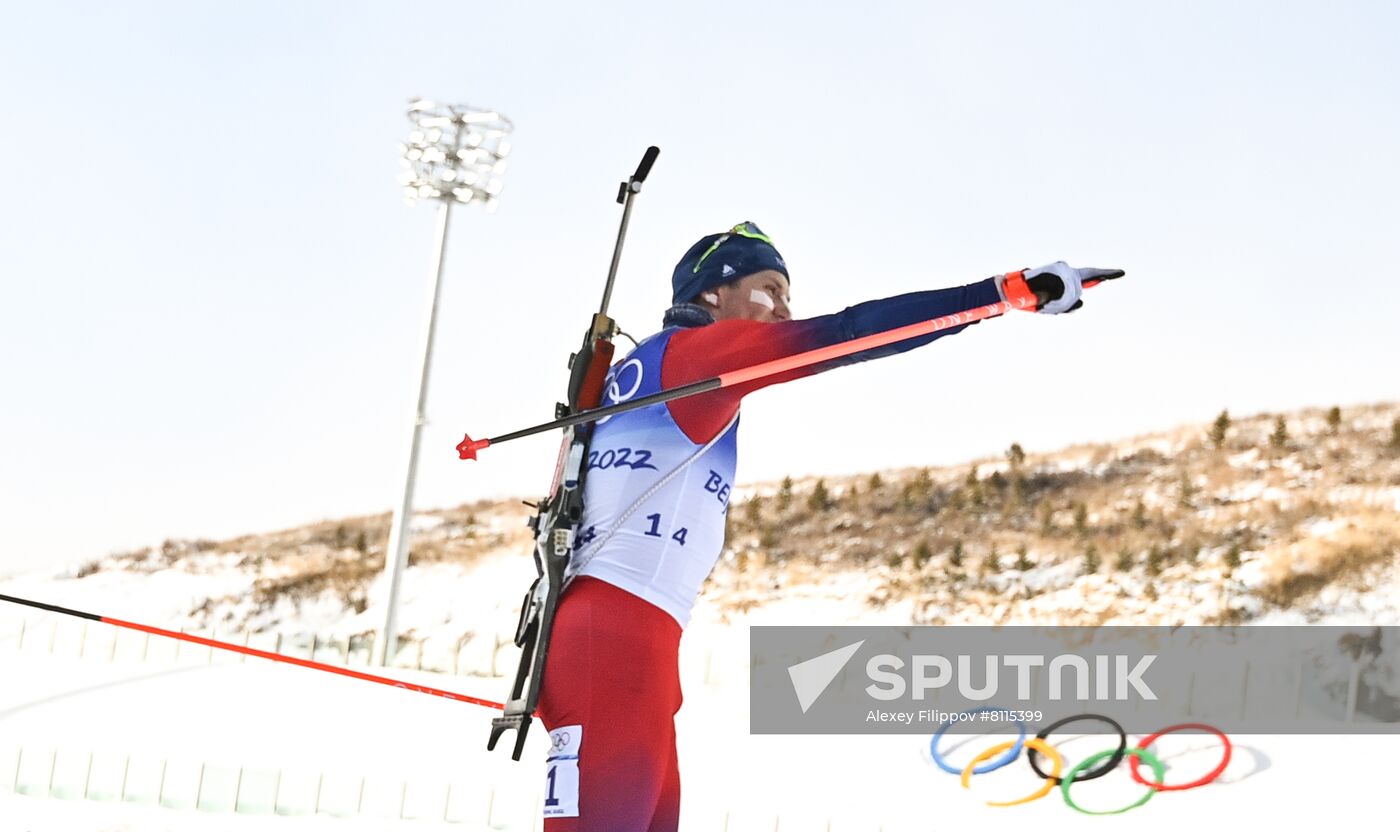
column 707, row 351
column 890, row 313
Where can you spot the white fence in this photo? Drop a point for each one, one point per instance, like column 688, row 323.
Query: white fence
column 472, row 654
column 185, row 783
column 491, row 655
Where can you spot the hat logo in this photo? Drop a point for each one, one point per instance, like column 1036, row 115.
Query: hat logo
column 727, row 271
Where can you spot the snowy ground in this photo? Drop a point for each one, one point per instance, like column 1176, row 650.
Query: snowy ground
column 251, row 735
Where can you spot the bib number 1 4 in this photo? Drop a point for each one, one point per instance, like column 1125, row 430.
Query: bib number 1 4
column 655, row 529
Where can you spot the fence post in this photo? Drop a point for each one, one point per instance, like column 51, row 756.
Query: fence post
column 87, row 778
column 1353, row 689
column 1298, row 689
column 1244, row 690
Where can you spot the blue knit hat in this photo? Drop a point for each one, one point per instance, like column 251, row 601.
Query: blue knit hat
column 724, row 258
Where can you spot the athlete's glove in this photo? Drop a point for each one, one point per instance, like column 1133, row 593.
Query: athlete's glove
column 1056, row 287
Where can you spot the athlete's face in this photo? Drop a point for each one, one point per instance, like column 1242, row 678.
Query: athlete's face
column 762, row 296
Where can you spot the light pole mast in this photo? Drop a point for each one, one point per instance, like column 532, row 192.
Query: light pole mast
column 454, row 154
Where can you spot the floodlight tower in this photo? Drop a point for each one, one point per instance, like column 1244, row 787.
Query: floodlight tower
column 454, row 154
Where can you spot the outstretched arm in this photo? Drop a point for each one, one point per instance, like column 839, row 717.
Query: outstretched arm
column 707, row 351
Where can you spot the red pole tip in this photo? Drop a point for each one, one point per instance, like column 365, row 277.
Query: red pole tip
column 469, row 446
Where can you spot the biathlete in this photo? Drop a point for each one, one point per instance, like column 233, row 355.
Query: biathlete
column 655, row 496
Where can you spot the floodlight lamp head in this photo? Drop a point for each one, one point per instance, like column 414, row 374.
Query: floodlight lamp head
column 454, row 153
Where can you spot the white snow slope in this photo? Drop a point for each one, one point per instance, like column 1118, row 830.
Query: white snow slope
column 89, row 712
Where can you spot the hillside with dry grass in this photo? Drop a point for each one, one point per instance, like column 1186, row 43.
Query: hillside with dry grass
column 1275, row 517
column 1203, row 524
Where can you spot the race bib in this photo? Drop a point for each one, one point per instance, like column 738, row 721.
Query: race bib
column 561, row 772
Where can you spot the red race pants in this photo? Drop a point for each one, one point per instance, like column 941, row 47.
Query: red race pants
column 609, row 699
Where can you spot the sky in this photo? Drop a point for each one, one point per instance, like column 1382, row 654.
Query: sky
column 212, row 298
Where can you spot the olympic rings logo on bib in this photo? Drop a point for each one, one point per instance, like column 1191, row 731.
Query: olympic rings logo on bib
column 1092, row 767
column 615, row 392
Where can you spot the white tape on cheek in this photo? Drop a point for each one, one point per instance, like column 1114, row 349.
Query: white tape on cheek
column 762, row 298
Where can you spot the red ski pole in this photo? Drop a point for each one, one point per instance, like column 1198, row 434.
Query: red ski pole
column 468, row 447
column 262, row 654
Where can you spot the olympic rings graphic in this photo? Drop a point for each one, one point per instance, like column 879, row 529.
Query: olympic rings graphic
column 1135, row 754
column 616, row 394
column 1185, row 726
column 1006, row 759
column 1035, row 743
column 1098, row 772
column 1092, row 767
